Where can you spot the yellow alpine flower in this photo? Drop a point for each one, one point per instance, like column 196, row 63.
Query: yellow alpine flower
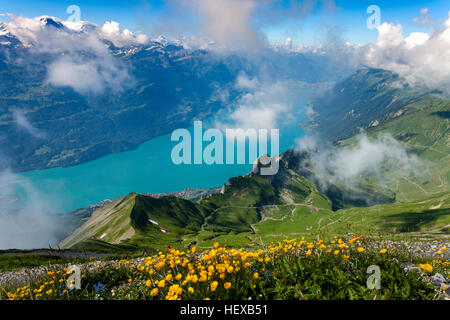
column 154, row 292
column 214, row 285
column 426, row 267
column 162, row 284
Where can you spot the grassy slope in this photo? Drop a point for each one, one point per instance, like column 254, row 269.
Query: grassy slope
column 423, row 206
column 111, row 224
column 359, row 101
column 424, row 130
column 400, row 220
column 248, row 205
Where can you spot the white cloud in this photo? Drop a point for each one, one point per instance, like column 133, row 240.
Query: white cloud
column 23, row 28
column 91, row 73
column 82, row 60
column 82, row 77
column 244, row 82
column 422, row 59
column 228, row 22
column 111, row 31
column 416, row 39
column 29, row 226
column 369, row 157
column 263, row 105
column 23, row 123
column 234, row 24
column 88, row 74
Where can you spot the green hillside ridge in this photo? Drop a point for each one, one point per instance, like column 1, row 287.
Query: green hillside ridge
column 375, row 100
column 244, row 204
column 424, row 129
column 111, row 223
column 366, row 99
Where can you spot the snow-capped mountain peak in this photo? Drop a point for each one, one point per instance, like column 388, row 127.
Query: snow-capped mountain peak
column 3, row 29
column 51, row 22
column 31, row 31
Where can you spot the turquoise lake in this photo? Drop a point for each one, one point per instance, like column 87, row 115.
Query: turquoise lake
column 148, row 168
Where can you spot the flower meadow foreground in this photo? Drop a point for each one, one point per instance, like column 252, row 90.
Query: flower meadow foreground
column 291, row 269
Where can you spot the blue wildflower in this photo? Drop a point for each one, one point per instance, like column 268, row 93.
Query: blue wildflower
column 99, row 287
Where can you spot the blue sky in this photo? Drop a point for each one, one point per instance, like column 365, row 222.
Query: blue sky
column 348, row 20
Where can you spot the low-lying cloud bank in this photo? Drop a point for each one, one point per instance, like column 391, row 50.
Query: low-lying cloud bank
column 29, row 224
column 383, row 158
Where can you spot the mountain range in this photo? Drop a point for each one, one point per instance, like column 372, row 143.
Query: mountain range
column 50, row 116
